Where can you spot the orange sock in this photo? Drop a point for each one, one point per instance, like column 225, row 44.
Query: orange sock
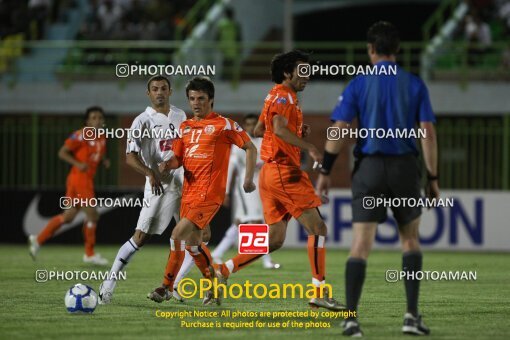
column 317, row 257
column 174, row 263
column 89, row 235
column 202, row 258
column 50, row 229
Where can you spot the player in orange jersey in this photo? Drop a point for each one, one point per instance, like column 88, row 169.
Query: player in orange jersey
column 84, row 156
column 285, row 190
column 204, row 151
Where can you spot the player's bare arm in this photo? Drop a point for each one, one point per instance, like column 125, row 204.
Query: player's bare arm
column 66, row 155
column 251, row 162
column 134, row 162
column 333, row 147
column 282, row 132
column 429, row 147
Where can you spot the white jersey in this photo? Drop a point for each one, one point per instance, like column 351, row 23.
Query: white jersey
column 154, row 151
column 246, row 206
column 156, row 217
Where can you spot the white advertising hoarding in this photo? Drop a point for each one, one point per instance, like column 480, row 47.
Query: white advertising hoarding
column 478, row 221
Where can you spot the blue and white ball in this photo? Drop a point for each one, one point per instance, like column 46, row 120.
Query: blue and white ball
column 80, row 299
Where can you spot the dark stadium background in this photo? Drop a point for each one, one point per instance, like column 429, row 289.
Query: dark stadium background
column 60, row 60
column 58, row 57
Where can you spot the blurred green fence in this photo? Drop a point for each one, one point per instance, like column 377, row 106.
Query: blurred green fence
column 474, row 152
column 87, row 60
column 29, row 152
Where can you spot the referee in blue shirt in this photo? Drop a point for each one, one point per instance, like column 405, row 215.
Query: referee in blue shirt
column 385, row 167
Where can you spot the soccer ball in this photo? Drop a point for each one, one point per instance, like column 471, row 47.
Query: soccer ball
column 80, row 298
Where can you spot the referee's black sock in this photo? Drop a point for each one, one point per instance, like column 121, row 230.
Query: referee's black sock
column 354, row 278
column 412, row 262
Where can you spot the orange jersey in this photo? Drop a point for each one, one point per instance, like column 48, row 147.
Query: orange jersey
column 281, row 100
column 85, row 151
column 204, row 152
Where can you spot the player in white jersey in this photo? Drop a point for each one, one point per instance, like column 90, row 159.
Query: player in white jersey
column 157, row 126
column 247, row 207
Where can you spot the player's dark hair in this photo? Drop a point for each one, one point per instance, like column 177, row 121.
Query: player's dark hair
column 384, row 36
column 91, row 109
column 158, row 78
column 286, row 63
column 250, row 116
column 201, row 83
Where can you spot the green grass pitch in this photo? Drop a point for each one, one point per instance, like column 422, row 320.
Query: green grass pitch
column 452, row 309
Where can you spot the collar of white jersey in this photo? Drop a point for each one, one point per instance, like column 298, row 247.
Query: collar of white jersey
column 152, row 112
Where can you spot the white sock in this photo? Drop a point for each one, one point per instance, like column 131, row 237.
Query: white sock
column 228, row 241
column 187, row 264
column 123, row 256
column 230, row 266
column 267, row 259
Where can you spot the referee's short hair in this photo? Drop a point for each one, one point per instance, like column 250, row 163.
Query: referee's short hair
column 286, row 63
column 384, row 36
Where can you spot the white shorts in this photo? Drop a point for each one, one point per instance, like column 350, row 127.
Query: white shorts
column 155, row 218
column 247, row 207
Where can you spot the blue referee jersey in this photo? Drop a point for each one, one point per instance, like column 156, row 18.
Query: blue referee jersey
column 393, row 102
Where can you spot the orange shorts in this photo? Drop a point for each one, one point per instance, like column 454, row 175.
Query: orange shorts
column 80, row 187
column 201, row 214
column 285, row 191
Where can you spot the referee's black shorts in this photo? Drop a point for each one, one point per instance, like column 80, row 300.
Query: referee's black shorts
column 387, row 177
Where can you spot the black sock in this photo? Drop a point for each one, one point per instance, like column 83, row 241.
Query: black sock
column 412, row 262
column 354, row 278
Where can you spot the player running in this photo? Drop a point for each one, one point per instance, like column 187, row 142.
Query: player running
column 285, row 190
column 143, row 155
column 203, row 151
column 84, row 156
column 247, row 206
